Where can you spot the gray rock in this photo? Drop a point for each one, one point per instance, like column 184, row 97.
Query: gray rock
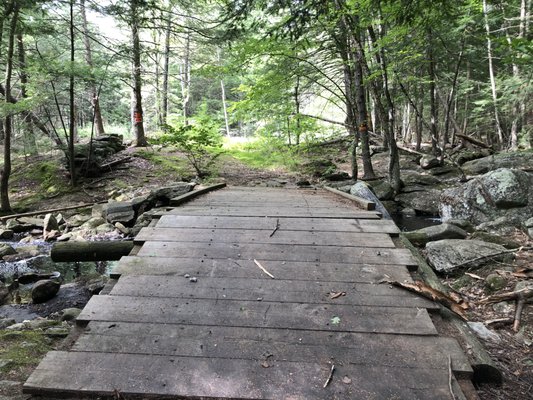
column 423, row 201
column 462, row 223
column 428, row 162
column 105, row 228
column 483, row 332
column 495, row 282
column 70, row 314
column 436, row 232
column 17, row 227
column 530, row 232
column 529, row 223
column 44, row 290
column 522, row 285
column 50, row 223
column 518, row 159
column 4, row 294
column 60, row 219
column 6, row 250
column 6, row 234
column 78, row 219
column 415, row 178
column 449, row 254
column 493, row 238
column 99, row 211
column 5, row 322
column 383, row 190
column 502, row 193
column 362, row 189
column 335, row 176
column 502, row 225
column 122, row 212
column 122, row 229
column 93, row 223
column 165, row 194
column 57, row 332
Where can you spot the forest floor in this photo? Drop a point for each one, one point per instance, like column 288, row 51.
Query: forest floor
column 45, row 188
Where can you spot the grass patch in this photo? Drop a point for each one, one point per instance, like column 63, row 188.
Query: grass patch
column 168, row 164
column 45, row 178
column 20, row 351
column 262, row 153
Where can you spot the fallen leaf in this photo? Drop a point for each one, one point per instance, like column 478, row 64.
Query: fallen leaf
column 335, row 320
column 346, row 380
column 264, row 364
column 335, row 295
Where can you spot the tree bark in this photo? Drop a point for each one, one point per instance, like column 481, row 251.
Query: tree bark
column 5, row 173
column 94, row 98
column 492, row 76
column 29, row 134
column 137, row 109
column 90, row 251
column 186, row 80
column 432, row 99
column 72, row 111
column 166, row 65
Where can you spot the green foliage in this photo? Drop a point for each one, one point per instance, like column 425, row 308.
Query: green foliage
column 263, row 152
column 201, row 142
column 169, row 165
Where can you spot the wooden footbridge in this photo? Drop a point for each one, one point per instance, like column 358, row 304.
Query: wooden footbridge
column 248, row 293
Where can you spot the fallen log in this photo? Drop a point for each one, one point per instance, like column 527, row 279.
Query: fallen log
column 474, row 141
column 53, row 210
column 90, row 251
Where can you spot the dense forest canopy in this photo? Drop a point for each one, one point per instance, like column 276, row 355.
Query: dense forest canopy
column 405, row 72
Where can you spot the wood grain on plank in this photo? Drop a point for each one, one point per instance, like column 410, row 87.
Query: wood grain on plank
column 279, row 344
column 292, row 270
column 192, row 377
column 277, row 290
column 268, row 223
column 276, row 252
column 280, row 236
column 225, row 312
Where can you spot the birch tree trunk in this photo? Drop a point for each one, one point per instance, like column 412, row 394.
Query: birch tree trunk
column 166, row 66
column 491, row 75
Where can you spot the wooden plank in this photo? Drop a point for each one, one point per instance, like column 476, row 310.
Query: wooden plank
column 281, row 236
column 293, row 270
column 224, row 312
column 285, row 212
column 363, row 203
column 295, row 224
column 146, row 376
column 283, row 291
column 277, row 252
column 281, row 344
column 195, row 193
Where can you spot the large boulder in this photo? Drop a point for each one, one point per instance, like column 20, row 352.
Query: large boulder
column 504, row 193
column 6, row 250
column 50, row 223
column 433, row 233
column 44, row 290
column 451, row 254
column 163, row 195
column 6, row 234
column 120, row 211
column 421, row 200
column 517, row 159
column 362, row 189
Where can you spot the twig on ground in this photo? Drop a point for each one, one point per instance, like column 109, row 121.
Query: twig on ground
column 450, row 377
column 263, row 269
column 520, row 296
column 276, row 228
column 330, row 376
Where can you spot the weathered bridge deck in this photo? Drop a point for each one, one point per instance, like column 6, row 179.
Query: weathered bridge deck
column 237, row 333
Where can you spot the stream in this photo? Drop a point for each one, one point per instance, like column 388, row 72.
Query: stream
column 408, row 223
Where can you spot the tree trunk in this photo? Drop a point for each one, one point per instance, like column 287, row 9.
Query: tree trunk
column 8, row 121
column 224, row 105
column 491, row 75
column 137, row 109
column 72, row 111
column 166, row 65
column 29, row 136
column 432, row 99
column 94, row 98
column 186, row 80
